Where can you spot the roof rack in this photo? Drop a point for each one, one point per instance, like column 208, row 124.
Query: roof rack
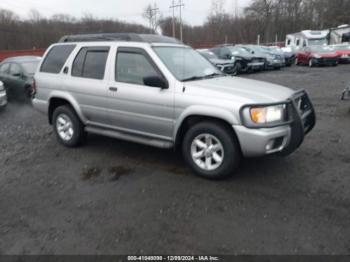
column 119, row 37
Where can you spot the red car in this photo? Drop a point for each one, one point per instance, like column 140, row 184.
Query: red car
column 344, row 53
column 317, row 56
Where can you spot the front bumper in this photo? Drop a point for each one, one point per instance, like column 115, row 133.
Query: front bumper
column 284, row 139
column 275, row 63
column 256, row 65
column 344, row 60
column 325, row 61
column 3, row 98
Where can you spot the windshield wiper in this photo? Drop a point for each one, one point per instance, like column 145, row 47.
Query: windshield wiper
column 194, row 78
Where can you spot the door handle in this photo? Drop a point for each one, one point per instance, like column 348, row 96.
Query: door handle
column 113, row 89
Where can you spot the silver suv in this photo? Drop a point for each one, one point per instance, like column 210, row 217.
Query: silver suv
column 156, row 91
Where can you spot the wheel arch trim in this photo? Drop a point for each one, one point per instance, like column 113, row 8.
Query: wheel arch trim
column 71, row 101
column 204, row 111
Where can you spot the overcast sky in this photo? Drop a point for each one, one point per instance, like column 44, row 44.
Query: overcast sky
column 195, row 11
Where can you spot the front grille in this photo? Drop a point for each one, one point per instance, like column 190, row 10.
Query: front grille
column 258, row 60
column 329, row 60
column 306, row 111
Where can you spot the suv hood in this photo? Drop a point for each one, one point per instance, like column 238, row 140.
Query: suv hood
column 239, row 89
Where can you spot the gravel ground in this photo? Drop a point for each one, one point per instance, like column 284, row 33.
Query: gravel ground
column 114, row 197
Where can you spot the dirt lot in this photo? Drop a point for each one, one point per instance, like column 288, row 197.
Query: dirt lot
column 113, row 197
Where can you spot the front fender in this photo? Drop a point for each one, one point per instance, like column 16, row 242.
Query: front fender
column 207, row 111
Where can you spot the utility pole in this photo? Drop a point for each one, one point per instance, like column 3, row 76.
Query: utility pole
column 236, row 8
column 179, row 5
column 152, row 16
column 173, row 7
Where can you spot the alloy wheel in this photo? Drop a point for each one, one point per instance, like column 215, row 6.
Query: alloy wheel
column 207, row 152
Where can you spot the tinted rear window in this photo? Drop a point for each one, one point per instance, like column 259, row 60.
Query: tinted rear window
column 56, row 58
column 91, row 62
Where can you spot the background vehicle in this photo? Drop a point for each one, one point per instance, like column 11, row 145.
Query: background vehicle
column 17, row 75
column 343, row 52
column 246, row 62
column 3, row 96
column 273, row 60
column 307, row 38
column 287, row 54
column 228, row 66
column 317, row 56
column 165, row 94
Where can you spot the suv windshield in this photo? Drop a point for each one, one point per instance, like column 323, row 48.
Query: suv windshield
column 186, row 64
column 322, row 49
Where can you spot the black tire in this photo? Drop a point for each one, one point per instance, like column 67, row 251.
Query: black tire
column 296, row 62
column 79, row 134
column 231, row 150
column 236, row 69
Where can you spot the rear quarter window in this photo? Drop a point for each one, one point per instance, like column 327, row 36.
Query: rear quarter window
column 56, row 58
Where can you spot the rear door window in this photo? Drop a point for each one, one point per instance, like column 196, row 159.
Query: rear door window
column 91, row 62
column 56, row 58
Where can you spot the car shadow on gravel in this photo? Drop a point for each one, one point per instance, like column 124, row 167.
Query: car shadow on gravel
column 138, row 155
column 171, row 161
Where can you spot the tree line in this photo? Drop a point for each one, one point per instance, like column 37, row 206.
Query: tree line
column 39, row 32
column 271, row 19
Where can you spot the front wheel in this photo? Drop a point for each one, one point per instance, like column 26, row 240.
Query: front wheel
column 311, row 63
column 296, row 62
column 236, row 69
column 67, row 126
column 211, row 150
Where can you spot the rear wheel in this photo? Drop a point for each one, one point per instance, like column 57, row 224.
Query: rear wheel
column 211, row 150
column 68, row 127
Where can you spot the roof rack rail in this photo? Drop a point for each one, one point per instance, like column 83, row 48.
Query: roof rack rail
column 119, row 37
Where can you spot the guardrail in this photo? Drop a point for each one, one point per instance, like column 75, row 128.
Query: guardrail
column 13, row 53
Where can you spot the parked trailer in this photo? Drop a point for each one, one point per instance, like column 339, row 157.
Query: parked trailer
column 307, row 38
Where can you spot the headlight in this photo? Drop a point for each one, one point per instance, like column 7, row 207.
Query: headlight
column 265, row 116
column 345, row 56
column 271, row 57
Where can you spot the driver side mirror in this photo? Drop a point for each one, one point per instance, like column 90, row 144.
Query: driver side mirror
column 155, row 81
